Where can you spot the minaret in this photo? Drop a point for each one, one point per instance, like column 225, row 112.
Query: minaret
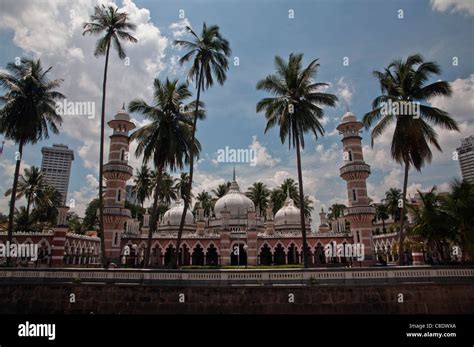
column 117, row 172
column 355, row 172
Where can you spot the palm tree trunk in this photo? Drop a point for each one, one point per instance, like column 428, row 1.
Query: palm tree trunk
column 300, row 184
column 13, row 198
column 101, row 162
column 402, row 216
column 187, row 198
column 154, row 216
column 28, row 207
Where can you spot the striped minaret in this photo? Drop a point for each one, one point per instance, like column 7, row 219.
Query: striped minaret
column 117, row 172
column 355, row 172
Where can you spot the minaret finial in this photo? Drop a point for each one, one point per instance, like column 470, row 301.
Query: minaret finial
column 123, row 106
column 234, row 174
column 347, row 106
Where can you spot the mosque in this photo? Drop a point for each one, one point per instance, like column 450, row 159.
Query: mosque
column 237, row 235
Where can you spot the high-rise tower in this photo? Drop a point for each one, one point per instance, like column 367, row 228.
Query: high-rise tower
column 355, row 172
column 117, row 172
column 56, row 167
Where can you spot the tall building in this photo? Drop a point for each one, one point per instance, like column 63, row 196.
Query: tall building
column 466, row 158
column 117, row 172
column 56, row 167
column 131, row 195
column 355, row 172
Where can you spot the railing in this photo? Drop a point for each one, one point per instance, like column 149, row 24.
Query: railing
column 351, row 167
column 359, row 210
column 244, row 277
column 118, row 167
column 118, row 211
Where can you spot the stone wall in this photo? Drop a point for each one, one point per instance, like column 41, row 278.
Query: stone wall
column 149, row 299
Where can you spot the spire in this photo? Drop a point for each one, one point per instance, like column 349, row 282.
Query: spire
column 347, row 107
column 234, row 174
column 123, row 106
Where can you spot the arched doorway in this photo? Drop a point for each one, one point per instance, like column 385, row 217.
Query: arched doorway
column 198, row 256
column 266, row 256
column 212, row 258
column 293, row 255
column 238, row 255
column 169, row 254
column 156, row 256
column 279, row 255
column 184, row 255
column 319, row 255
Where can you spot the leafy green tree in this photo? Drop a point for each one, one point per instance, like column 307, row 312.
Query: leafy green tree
column 143, row 184
column 259, row 194
column 167, row 140
column 209, row 53
column 295, row 108
column 403, row 82
column 114, row 26
column 27, row 113
column 91, row 221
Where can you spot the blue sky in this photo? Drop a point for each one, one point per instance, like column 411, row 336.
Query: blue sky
column 369, row 33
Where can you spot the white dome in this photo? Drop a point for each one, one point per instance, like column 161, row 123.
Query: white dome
column 288, row 214
column 173, row 215
column 349, row 117
column 234, row 202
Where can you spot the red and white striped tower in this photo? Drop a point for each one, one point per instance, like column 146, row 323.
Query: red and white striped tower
column 117, row 172
column 355, row 172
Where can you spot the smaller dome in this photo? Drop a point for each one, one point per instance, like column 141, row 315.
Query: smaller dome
column 122, row 114
column 349, row 117
column 173, row 215
column 288, row 214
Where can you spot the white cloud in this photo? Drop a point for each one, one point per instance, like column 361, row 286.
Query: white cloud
column 178, row 29
column 263, row 157
column 461, row 104
column 466, row 6
column 345, row 90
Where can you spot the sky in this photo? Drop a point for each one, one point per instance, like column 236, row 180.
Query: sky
column 368, row 34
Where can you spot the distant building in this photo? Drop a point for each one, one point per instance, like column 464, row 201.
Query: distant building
column 130, row 195
column 466, row 158
column 56, row 167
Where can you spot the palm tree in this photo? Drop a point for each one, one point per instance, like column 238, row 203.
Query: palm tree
column 209, row 53
column 403, row 83
column 167, row 139
column 381, row 213
column 294, row 108
column 167, row 189
column 143, row 184
column 277, row 199
column 458, row 204
column 259, row 194
column 221, row 190
column 393, row 196
column 181, row 186
column 204, row 199
column 31, row 186
column 114, row 26
column 46, row 210
column 432, row 223
column 28, row 112
column 290, row 187
column 335, row 211
column 308, row 207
